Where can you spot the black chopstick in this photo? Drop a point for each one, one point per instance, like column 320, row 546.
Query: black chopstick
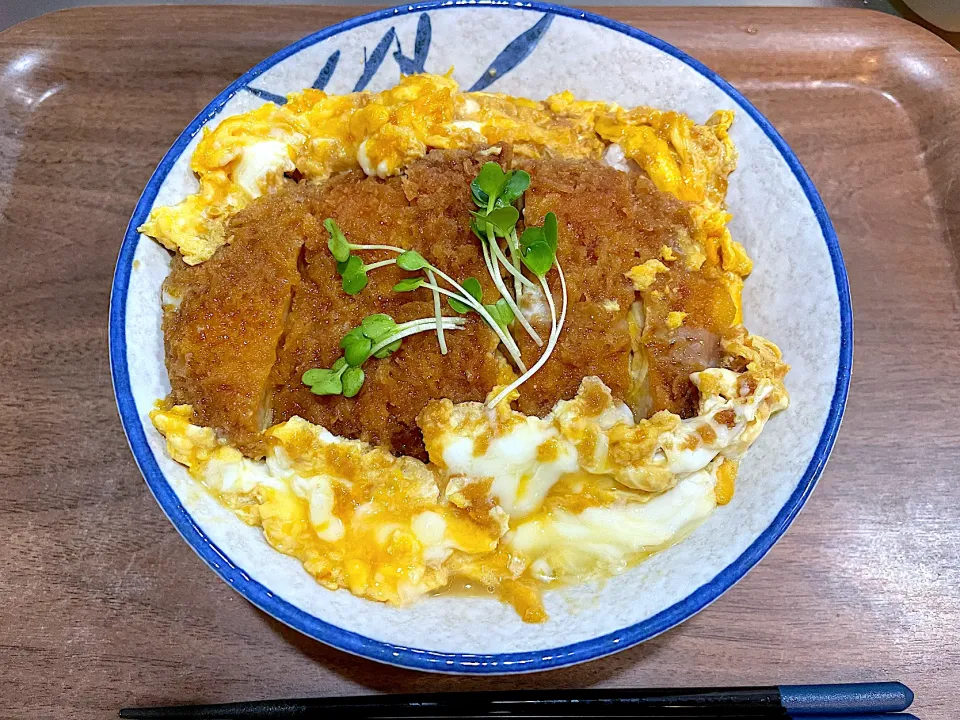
column 785, row 701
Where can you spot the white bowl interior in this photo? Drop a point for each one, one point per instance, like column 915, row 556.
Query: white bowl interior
column 791, row 297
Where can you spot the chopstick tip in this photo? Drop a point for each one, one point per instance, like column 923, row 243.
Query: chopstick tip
column 907, row 695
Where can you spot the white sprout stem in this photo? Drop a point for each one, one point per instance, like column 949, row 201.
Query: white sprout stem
column 550, row 303
column 495, row 276
column 505, row 337
column 554, row 335
column 563, row 291
column 382, row 263
column 517, row 274
column 517, row 285
column 486, row 258
column 376, row 247
column 467, row 299
column 514, row 243
column 414, row 327
column 436, row 311
column 436, row 298
column 493, row 264
column 425, row 322
column 516, row 308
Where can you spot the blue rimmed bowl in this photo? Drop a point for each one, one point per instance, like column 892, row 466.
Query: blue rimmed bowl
column 797, row 296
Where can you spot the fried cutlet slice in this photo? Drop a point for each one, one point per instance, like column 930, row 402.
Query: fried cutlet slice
column 427, row 209
column 609, row 221
column 225, row 319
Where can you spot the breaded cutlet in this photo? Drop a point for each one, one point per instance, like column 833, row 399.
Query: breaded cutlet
column 609, row 221
column 426, row 209
column 223, row 320
column 284, row 310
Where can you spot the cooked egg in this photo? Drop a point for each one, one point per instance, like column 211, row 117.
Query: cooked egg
column 603, row 541
column 356, row 516
column 508, row 500
column 519, row 457
column 319, row 134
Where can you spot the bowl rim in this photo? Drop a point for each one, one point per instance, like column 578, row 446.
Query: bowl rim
column 428, row 660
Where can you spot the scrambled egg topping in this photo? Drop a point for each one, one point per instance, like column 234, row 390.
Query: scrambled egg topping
column 511, row 502
column 315, row 135
column 354, row 515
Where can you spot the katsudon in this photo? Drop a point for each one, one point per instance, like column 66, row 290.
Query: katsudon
column 426, row 336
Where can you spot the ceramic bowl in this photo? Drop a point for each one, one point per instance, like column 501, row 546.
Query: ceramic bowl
column 796, row 296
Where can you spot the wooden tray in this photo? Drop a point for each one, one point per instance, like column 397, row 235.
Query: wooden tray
column 102, row 604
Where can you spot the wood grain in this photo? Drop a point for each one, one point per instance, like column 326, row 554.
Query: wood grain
column 102, row 605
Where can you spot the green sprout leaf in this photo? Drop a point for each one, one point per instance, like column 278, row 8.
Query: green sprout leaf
column 408, row 284
column 311, row 377
column 355, row 335
column 478, row 228
column 373, row 330
column 480, row 198
column 354, row 275
column 412, row 260
column 357, row 352
column 377, row 327
column 338, row 245
column 490, row 180
column 504, row 187
column 500, row 312
column 324, row 382
column 515, row 185
column 352, row 265
column 472, row 286
column 506, row 314
column 356, row 347
column 503, row 219
column 352, row 381
column 532, row 235
column 538, row 246
column 353, row 284
column 550, row 230
column 331, row 384
column 538, row 257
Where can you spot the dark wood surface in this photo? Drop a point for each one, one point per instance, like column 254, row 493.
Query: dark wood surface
column 103, row 605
